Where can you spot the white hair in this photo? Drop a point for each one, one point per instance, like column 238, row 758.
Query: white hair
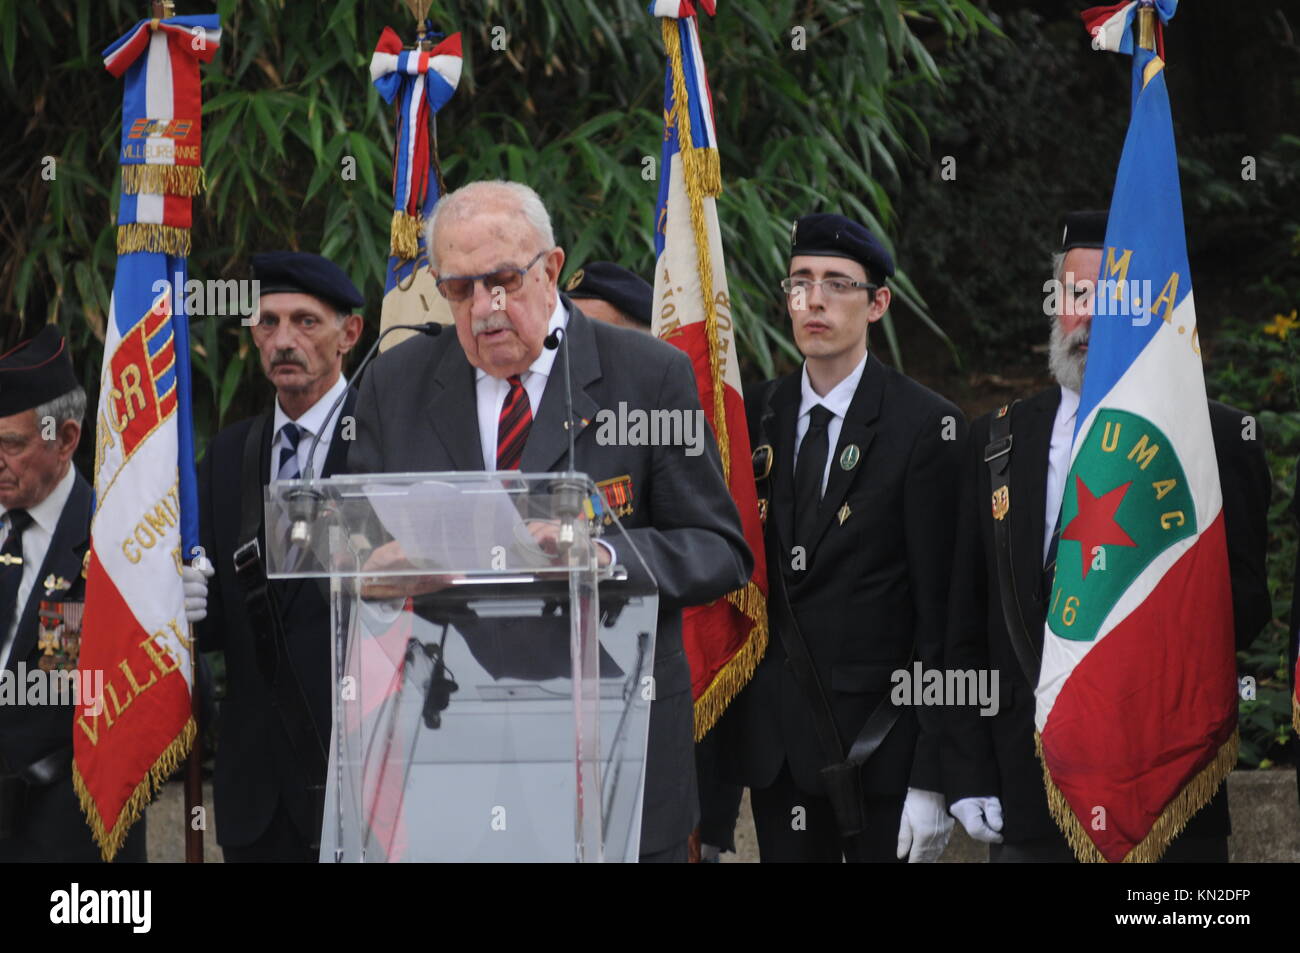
column 69, row 406
column 1058, row 262
column 476, row 197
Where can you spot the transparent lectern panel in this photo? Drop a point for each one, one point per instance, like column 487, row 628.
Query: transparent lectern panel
column 493, row 680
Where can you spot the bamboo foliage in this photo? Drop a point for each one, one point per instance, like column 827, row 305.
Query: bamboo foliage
column 563, row 94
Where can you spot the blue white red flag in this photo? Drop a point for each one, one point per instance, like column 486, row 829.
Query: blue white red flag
column 1136, row 700
column 145, row 524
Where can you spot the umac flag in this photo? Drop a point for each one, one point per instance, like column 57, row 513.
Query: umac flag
column 726, row 639
column 1137, row 705
column 418, row 82
column 145, row 521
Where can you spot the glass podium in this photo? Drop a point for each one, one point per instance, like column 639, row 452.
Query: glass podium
column 492, row 680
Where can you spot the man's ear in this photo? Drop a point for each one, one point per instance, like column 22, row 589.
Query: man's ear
column 353, row 325
column 879, row 304
column 69, row 435
column 554, row 264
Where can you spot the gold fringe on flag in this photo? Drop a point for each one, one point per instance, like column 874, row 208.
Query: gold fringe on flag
column 406, row 235
column 733, row 676
column 186, row 180
column 1295, row 713
column 703, row 174
column 110, row 842
column 1194, row 796
column 147, row 236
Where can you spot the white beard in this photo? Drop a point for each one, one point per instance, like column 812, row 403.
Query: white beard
column 1065, row 363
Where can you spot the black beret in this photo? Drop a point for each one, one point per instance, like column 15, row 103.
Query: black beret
column 841, row 237
column 607, row 281
column 1084, row 230
column 37, row 370
column 301, row 272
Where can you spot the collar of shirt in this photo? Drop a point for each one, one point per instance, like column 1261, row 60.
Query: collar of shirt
column 837, row 400
column 311, row 423
column 491, row 391
column 45, row 514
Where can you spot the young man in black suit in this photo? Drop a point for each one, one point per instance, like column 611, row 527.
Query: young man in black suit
column 304, row 328
column 857, row 468
column 993, row 779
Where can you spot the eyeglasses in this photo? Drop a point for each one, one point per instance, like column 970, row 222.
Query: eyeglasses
column 509, row 280
column 831, row 286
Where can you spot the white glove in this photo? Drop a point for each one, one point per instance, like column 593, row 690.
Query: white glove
column 982, row 818
column 194, row 580
column 924, row 828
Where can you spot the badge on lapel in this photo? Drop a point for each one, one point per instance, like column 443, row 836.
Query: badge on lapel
column 55, row 584
column 59, row 635
column 618, row 496
column 850, row 456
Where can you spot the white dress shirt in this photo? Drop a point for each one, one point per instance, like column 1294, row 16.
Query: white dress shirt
column 492, row 391
column 837, row 401
column 36, row 543
column 1058, row 462
column 310, row 423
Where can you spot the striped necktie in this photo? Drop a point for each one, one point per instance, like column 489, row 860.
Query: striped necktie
column 513, row 425
column 290, row 435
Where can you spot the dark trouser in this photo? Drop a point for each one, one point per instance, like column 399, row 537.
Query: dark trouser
column 719, row 801
column 810, row 835
column 1054, row 850
column 280, row 843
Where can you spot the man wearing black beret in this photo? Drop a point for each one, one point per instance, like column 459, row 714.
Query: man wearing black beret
column 610, row 293
column 45, row 507
column 857, row 470
column 993, row 779
column 269, row 763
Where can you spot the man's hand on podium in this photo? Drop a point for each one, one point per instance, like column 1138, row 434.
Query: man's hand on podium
column 390, row 558
column 546, row 534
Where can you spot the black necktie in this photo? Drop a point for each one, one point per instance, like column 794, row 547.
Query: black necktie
column 11, row 568
column 808, row 471
column 1049, row 564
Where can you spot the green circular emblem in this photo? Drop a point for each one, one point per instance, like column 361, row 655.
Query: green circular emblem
column 850, row 457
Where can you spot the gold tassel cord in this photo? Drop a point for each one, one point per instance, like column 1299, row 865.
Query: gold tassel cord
column 187, row 180
column 110, row 841
column 696, row 169
column 405, row 234
column 1194, row 796
column 702, row 172
column 146, row 236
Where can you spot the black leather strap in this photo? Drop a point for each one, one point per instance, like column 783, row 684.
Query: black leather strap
column 13, row 787
column 267, row 626
column 997, row 456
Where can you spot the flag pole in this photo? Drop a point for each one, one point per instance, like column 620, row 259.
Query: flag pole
column 194, row 766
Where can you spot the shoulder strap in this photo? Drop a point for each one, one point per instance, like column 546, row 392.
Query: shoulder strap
column 997, row 456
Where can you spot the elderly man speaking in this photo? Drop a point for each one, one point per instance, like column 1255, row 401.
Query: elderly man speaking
column 485, row 398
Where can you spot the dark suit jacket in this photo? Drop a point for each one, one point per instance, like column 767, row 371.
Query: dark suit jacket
column 256, row 766
column 994, row 755
column 52, row 827
column 875, row 588
column 418, row 413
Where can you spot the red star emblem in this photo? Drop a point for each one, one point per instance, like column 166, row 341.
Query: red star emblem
column 1094, row 525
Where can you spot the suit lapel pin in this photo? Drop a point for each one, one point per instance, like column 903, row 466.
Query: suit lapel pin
column 55, row 583
column 7, row 560
column 849, row 457
column 844, row 513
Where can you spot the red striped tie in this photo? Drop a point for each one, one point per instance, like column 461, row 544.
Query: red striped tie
column 513, row 425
